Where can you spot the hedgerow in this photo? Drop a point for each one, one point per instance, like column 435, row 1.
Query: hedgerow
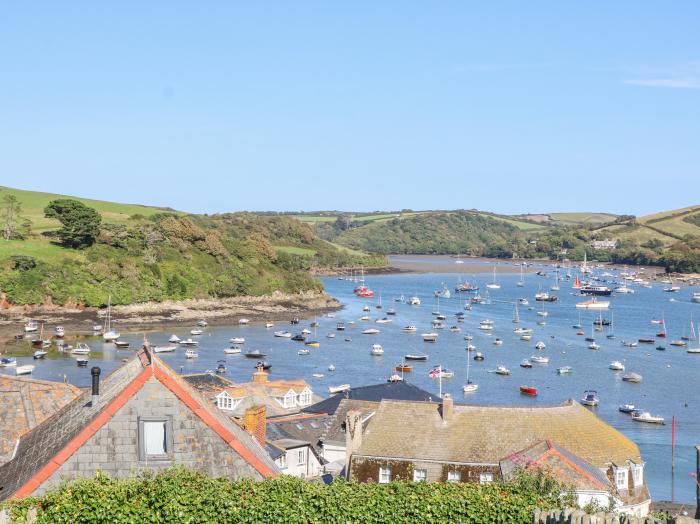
column 183, row 496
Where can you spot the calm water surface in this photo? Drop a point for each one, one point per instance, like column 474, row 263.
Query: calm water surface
column 670, row 383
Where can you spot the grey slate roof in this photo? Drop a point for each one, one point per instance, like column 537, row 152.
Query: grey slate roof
column 42, row 443
column 374, row 393
column 207, row 382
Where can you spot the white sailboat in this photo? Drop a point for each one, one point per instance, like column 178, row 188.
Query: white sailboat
column 521, row 282
column 109, row 335
column 494, row 284
column 696, row 350
column 516, row 315
column 556, row 287
column 469, row 386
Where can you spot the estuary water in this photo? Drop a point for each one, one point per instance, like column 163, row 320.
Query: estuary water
column 670, row 385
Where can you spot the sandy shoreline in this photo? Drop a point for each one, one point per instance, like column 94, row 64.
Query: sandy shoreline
column 158, row 315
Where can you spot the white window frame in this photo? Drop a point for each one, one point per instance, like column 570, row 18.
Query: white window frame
column 226, row 402
column 305, row 397
column 621, row 478
column 289, row 399
column 168, row 441
column 420, row 475
column 384, row 476
column 485, row 478
column 454, row 476
column 282, row 461
column 638, row 474
column 301, row 457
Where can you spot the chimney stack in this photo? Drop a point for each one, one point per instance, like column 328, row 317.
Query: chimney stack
column 260, row 376
column 255, row 423
column 447, row 407
column 95, row 372
column 353, row 436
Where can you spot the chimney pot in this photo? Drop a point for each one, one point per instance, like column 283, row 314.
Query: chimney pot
column 260, row 376
column 447, row 407
column 95, row 372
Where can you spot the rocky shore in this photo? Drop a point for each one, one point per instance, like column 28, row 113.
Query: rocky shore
column 156, row 315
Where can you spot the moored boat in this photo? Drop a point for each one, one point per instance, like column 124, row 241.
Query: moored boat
column 590, row 398
column 528, row 390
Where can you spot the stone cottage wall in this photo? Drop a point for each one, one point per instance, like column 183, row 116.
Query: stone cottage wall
column 114, row 449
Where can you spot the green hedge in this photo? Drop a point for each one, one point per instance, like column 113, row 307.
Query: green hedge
column 183, row 496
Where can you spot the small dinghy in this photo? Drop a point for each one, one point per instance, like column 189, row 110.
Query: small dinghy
column 121, row 344
column 528, row 390
column 420, row 357
column 164, row 349
column 24, row 370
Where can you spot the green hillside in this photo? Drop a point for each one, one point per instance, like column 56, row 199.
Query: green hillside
column 142, row 253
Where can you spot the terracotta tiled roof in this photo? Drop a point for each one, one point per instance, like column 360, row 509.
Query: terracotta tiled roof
column 485, row 434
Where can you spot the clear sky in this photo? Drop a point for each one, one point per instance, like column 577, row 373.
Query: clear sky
column 523, row 106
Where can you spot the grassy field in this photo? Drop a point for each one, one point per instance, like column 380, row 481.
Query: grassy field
column 672, row 221
column 34, row 202
column 520, row 224
column 39, row 248
column 582, row 218
column 296, row 250
column 639, row 234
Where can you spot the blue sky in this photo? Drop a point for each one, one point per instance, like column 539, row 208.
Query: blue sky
column 222, row 106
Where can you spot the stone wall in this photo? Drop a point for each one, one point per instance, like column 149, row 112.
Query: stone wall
column 114, row 449
column 576, row 516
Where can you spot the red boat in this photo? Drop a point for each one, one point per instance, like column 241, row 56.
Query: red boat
column 364, row 292
column 580, row 333
column 528, row 390
column 661, row 335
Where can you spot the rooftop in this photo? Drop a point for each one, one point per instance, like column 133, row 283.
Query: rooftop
column 486, row 434
column 374, row 393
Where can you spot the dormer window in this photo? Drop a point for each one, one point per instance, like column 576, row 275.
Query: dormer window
column 289, row 400
column 638, row 474
column 226, row 402
column 305, row 397
column 621, row 478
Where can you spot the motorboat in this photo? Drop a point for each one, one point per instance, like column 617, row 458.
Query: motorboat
column 191, row 353
column 590, row 398
column 312, row 343
column 539, row 359
column 81, row 362
column 630, row 343
column 283, row 334
column 317, row 375
column 27, row 369
column 594, row 346
column 304, row 351
column 81, row 349
column 243, row 321
column 121, row 344
column 174, row 339
column 429, row 337
column 632, row 377
column 189, row 342
column 31, row 327
column 305, row 331
column 39, row 354
column 340, row 326
column 237, row 340
column 616, row 365
column 404, row 368
column 479, row 356
column 295, row 320
column 526, row 336
column 437, row 324
column 455, row 329
column 164, row 349
column 526, row 364
column 498, row 342
column 221, row 367
column 468, row 337
column 331, row 367
column 414, row 301
column 647, row 417
column 696, row 297
column 471, row 347
column 8, row 362
column 263, row 364
column 420, row 357
column 269, row 324
column 59, row 332
column 523, row 301
column 391, row 311
column 522, row 331
column 365, row 318
column 370, row 331
column 564, row 370
column 592, row 290
column 627, row 408
column 395, row 378
column 202, row 323
column 255, row 353
column 330, row 335
column 366, row 309
column 540, row 345
column 232, row 351
column 338, row 389
column 384, row 320
column 377, row 350
column 543, row 296
column 593, row 304
column 528, row 390
column 502, row 370
column 196, row 331
column 679, row 343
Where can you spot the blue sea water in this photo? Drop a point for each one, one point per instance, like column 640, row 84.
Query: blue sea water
column 670, row 385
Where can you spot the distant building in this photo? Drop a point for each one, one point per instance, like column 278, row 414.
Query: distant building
column 604, row 244
column 424, row 441
column 142, row 416
column 26, row 403
column 280, row 397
